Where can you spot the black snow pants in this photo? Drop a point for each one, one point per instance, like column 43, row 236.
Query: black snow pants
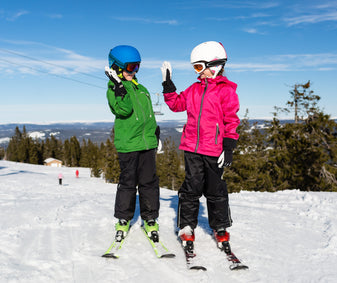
column 203, row 177
column 137, row 169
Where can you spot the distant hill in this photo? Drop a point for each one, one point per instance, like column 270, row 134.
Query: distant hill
column 97, row 132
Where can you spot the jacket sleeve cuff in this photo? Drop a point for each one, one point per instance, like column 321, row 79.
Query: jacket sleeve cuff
column 229, row 143
column 168, row 86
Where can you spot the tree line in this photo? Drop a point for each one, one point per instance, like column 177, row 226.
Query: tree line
column 300, row 155
column 101, row 158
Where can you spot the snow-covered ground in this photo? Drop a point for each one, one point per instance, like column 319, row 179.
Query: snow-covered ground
column 53, row 233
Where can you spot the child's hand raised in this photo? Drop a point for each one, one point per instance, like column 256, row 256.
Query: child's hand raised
column 168, row 85
column 166, row 71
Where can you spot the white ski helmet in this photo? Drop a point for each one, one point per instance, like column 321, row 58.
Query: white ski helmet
column 208, row 51
column 210, row 54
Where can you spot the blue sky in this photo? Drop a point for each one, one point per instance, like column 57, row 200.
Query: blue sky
column 52, row 54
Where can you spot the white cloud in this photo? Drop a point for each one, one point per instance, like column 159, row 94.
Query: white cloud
column 58, row 61
column 255, row 67
column 320, row 60
column 45, row 58
column 295, row 13
column 15, row 16
column 55, row 16
column 253, row 16
column 311, row 19
column 146, row 20
column 276, row 63
column 325, row 10
column 251, row 30
column 246, row 4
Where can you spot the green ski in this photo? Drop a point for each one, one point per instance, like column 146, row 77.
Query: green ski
column 159, row 248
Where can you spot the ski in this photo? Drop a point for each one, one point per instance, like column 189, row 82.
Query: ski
column 223, row 244
column 222, row 239
column 191, row 257
column 159, row 248
column 117, row 244
column 236, row 264
column 113, row 250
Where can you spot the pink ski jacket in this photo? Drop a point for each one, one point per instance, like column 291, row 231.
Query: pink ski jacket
column 211, row 107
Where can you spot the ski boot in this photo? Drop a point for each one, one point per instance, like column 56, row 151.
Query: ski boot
column 151, row 228
column 187, row 237
column 222, row 238
column 122, row 229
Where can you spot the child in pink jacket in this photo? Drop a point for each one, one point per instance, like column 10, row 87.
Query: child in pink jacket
column 208, row 139
column 60, row 178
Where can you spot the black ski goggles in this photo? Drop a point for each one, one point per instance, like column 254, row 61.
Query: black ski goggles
column 132, row 67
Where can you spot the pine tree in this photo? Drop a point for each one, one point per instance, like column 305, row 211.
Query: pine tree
column 24, row 145
column 56, row 148
column 302, row 154
column 2, row 153
column 22, row 148
column 249, row 158
column 94, row 158
column 47, row 153
column 12, row 152
column 66, row 153
column 111, row 167
column 169, row 169
column 34, row 153
column 84, row 161
column 303, row 102
column 75, row 152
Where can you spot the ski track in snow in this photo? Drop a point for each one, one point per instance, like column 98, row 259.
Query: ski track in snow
column 53, row 233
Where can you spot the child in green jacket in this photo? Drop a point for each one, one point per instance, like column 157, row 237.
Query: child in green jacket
column 136, row 140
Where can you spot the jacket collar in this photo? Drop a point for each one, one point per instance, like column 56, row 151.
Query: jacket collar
column 218, row 80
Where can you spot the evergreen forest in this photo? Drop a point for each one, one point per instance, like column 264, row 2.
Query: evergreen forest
column 281, row 156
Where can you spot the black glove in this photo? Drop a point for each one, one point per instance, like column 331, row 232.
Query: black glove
column 226, row 157
column 168, row 85
column 118, row 86
column 157, row 133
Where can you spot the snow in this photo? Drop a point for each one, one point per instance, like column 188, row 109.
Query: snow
column 37, row 135
column 4, row 140
column 53, row 233
column 54, row 134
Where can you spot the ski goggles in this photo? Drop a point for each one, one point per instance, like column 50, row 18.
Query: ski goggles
column 199, row 67
column 132, row 67
column 202, row 65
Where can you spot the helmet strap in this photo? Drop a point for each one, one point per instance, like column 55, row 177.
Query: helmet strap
column 119, row 72
column 215, row 70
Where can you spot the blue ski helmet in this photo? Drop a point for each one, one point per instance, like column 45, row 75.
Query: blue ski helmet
column 121, row 55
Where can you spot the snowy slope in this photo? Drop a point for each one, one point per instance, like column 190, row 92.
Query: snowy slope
column 52, row 233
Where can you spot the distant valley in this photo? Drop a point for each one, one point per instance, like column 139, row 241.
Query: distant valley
column 97, row 132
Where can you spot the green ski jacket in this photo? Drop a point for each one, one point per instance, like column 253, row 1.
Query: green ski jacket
column 135, row 123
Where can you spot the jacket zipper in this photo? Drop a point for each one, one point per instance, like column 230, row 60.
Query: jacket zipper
column 149, row 103
column 136, row 98
column 217, row 132
column 141, row 108
column 201, row 104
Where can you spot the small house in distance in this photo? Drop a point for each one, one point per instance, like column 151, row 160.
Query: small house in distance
column 53, row 162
